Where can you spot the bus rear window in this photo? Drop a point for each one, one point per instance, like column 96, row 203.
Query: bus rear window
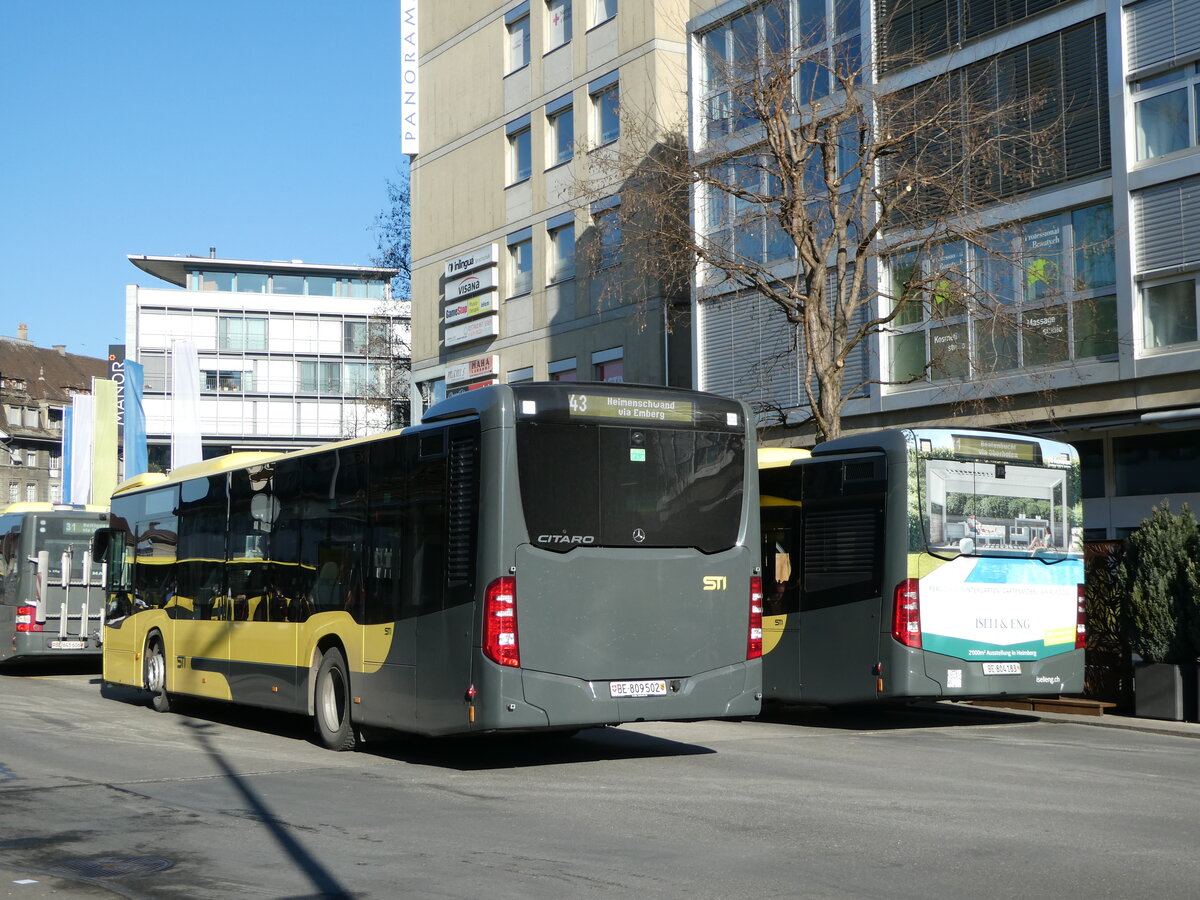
column 618, row 486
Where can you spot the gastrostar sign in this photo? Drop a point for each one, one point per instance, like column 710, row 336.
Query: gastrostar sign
column 409, row 94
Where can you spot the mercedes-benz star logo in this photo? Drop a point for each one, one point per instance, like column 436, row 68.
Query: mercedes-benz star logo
column 639, row 535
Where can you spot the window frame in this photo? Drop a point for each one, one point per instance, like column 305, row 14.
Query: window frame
column 517, row 22
column 1013, row 341
column 516, row 243
column 1149, row 284
column 604, row 98
column 568, row 24
column 560, row 271
column 1183, row 79
column 558, row 113
column 519, row 135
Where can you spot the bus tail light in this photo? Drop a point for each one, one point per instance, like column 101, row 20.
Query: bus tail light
column 500, row 622
column 1080, row 620
column 27, row 619
column 754, row 641
column 906, row 613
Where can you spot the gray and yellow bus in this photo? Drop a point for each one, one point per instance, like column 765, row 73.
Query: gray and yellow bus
column 51, row 591
column 922, row 564
column 536, row 556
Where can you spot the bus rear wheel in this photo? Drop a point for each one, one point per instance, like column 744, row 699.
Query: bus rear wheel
column 155, row 675
column 332, row 702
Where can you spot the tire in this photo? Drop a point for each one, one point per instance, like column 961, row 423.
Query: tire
column 331, row 702
column 154, row 673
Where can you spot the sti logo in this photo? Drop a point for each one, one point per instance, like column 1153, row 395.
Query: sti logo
column 715, row 582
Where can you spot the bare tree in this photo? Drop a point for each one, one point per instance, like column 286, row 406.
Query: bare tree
column 383, row 396
column 838, row 192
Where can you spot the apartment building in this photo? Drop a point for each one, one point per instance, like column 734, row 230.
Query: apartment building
column 1099, row 260
column 519, row 268
column 36, row 386
column 291, row 354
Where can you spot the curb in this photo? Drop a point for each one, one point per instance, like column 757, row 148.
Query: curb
column 1106, row 720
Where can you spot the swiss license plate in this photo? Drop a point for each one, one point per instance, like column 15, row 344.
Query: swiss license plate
column 637, row 688
column 68, row 645
column 1001, row 668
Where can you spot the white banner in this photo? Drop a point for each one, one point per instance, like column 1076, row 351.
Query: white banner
column 185, row 404
column 82, row 419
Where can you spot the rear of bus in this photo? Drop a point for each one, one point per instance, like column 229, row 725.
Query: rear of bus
column 621, row 575
column 991, row 599
column 51, row 592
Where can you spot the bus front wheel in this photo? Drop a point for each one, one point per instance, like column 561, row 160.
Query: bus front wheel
column 155, row 674
column 332, row 702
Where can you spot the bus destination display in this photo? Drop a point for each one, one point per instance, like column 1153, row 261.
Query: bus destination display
column 630, row 409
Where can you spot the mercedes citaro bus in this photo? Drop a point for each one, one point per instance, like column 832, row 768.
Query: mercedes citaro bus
column 533, row 556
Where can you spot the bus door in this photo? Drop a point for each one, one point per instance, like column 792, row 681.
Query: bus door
column 781, row 525
column 841, row 603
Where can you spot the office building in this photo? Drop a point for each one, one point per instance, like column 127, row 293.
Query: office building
column 1103, row 249
column 290, row 354
column 519, row 268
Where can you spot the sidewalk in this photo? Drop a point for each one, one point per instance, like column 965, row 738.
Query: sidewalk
column 1107, row 720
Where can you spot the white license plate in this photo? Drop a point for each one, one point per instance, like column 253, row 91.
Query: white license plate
column 68, row 645
column 1001, row 668
column 637, row 688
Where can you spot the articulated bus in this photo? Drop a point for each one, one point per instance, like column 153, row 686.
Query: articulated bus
column 922, row 564
column 51, row 591
column 534, row 556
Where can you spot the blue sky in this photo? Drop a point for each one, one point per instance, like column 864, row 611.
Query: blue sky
column 264, row 128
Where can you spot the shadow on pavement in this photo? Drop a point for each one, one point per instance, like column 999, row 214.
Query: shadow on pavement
column 890, row 718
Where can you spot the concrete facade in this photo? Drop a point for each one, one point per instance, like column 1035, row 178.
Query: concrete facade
column 509, row 280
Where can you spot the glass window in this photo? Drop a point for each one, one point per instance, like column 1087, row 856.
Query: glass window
column 558, row 23
column 520, row 259
column 251, row 283
column 1095, row 327
column 564, row 375
column 611, row 494
column 30, row 493
column 308, row 376
column 31, row 458
column 1157, row 464
column 906, row 281
column 1041, row 259
column 358, row 378
column 518, row 43
column 562, row 253
column 216, row 281
column 908, row 357
column 330, row 374
column 516, row 376
column 321, row 286
column 236, row 333
column 1091, row 468
column 13, row 487
column 606, row 104
column 1095, row 248
column 949, row 352
column 520, row 156
column 603, row 10
column 995, row 344
column 562, row 136
column 354, row 336
column 1161, row 124
column 1169, row 314
column 612, row 371
column 608, row 224
column 1044, row 334
column 287, row 284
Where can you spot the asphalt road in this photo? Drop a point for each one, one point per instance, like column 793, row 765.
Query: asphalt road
column 99, row 796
